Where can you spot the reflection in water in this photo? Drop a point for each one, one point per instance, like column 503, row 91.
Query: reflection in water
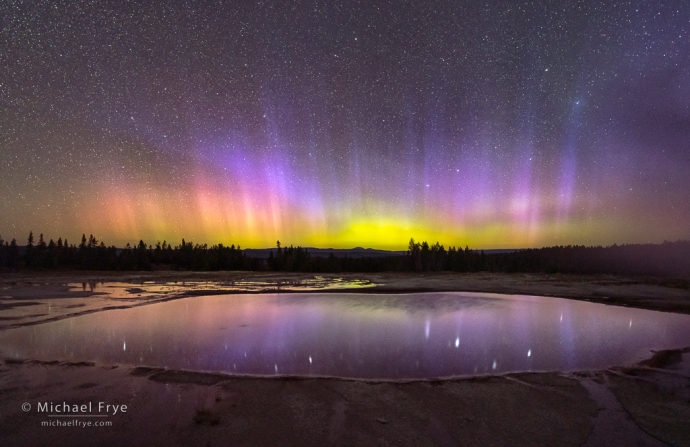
column 130, row 290
column 91, row 284
column 358, row 335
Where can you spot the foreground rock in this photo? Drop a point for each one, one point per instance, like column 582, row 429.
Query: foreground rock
column 625, row 406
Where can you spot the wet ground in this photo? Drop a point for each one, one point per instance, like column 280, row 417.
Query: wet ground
column 30, row 300
column 633, row 406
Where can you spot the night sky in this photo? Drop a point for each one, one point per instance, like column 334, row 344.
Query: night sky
column 492, row 124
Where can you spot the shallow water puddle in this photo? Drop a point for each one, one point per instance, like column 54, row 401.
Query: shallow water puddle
column 130, row 290
column 358, row 335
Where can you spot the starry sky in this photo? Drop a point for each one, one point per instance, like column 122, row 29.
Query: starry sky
column 493, row 124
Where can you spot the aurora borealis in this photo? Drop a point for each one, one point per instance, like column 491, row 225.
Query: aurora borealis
column 339, row 124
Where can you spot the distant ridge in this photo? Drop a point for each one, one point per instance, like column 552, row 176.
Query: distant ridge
column 357, row 252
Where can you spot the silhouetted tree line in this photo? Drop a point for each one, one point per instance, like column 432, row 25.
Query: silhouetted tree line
column 666, row 259
column 91, row 254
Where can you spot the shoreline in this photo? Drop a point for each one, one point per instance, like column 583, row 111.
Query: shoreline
column 657, row 361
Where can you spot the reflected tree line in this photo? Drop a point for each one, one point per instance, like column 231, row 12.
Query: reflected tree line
column 666, row 259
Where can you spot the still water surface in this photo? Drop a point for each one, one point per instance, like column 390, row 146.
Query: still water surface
column 358, row 335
